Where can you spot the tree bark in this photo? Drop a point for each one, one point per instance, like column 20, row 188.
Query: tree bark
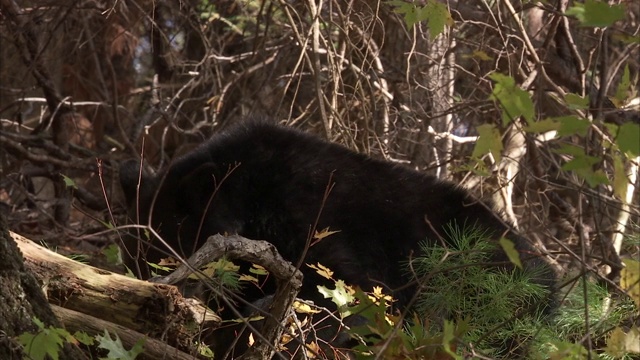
column 21, row 300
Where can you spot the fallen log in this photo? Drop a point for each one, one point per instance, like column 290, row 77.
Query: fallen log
column 158, row 311
column 153, row 349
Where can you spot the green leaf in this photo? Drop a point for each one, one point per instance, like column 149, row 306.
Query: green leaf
column 116, row 349
column 565, row 125
column 594, row 178
column 376, row 325
column 622, row 91
column 449, row 337
column 205, row 351
column 258, row 270
column 38, row 323
column 114, row 346
column 408, row 9
column 628, row 39
column 543, row 126
column 224, row 270
column 46, row 342
column 437, row 16
column 628, row 139
column 569, row 149
column 340, row 296
column 583, row 168
column 68, row 182
column 514, row 101
column 434, row 13
column 597, row 13
column 578, row 11
column 572, row 125
column 576, row 102
column 510, row 249
column 84, row 338
column 113, row 254
column 160, row 267
column 137, row 349
column 582, row 165
column 489, row 141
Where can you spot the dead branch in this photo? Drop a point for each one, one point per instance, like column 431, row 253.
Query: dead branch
column 236, row 247
column 43, row 158
column 28, row 41
column 289, row 281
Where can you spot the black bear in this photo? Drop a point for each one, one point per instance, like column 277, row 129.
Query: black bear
column 268, row 182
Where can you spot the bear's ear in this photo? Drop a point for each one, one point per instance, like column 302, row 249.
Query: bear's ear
column 130, row 176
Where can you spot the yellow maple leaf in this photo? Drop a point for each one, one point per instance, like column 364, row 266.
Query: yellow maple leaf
column 322, row 270
column 319, row 235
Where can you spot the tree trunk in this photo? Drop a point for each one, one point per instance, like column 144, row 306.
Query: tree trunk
column 21, row 300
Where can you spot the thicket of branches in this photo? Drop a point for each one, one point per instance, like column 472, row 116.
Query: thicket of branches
column 85, row 84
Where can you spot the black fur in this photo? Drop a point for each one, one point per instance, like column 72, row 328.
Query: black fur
column 270, row 184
